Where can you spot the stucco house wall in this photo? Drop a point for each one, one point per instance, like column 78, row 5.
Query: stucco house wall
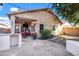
column 44, row 16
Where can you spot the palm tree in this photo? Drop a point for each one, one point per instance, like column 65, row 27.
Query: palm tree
column 68, row 11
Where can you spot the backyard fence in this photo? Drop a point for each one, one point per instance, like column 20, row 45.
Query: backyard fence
column 70, row 31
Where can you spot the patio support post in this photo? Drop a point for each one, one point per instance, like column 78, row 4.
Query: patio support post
column 37, row 30
column 20, row 28
column 13, row 26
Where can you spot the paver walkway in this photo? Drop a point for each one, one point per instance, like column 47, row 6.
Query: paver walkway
column 37, row 48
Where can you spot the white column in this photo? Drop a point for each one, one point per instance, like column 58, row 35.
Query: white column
column 19, row 40
column 37, row 30
column 13, row 26
column 20, row 28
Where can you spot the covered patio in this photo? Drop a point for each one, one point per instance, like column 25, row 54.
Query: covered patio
column 25, row 26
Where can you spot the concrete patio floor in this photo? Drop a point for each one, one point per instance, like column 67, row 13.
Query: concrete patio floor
column 37, row 48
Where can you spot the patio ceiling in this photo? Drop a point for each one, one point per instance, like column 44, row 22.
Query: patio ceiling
column 21, row 20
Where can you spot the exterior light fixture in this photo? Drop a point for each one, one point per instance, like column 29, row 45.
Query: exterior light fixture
column 16, row 17
column 48, row 10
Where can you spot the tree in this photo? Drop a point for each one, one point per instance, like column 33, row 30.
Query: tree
column 68, row 11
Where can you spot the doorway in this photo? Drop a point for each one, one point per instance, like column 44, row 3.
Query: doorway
column 25, row 31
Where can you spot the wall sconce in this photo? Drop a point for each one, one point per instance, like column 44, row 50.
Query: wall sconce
column 16, row 17
column 12, row 22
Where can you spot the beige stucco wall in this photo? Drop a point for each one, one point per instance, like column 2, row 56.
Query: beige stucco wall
column 43, row 17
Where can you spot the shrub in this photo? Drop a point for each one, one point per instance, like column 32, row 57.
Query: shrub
column 45, row 33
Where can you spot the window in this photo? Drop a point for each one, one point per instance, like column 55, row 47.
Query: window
column 54, row 27
column 32, row 29
column 41, row 26
column 16, row 29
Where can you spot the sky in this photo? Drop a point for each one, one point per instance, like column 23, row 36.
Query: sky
column 7, row 7
column 24, row 6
